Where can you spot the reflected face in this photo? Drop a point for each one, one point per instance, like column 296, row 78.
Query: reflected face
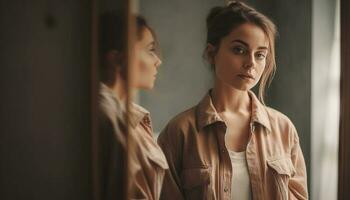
column 147, row 61
column 241, row 57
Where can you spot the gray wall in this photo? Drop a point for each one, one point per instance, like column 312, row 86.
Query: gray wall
column 290, row 91
column 184, row 77
column 45, row 92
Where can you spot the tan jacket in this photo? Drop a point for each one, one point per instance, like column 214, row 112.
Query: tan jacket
column 147, row 163
column 111, row 147
column 200, row 166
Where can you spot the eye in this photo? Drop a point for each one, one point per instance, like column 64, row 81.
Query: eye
column 261, row 56
column 152, row 50
column 238, row 50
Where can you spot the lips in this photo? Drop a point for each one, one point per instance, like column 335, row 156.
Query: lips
column 246, row 76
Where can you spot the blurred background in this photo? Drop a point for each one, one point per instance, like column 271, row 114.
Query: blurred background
column 45, row 132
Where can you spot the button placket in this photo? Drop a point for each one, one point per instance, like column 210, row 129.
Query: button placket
column 226, row 163
column 226, row 189
column 252, row 162
column 252, row 127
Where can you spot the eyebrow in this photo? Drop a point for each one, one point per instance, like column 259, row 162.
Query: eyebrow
column 246, row 44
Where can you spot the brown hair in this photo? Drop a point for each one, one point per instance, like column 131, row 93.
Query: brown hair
column 222, row 20
column 112, row 36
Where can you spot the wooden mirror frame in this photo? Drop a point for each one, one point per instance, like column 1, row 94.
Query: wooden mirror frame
column 128, row 7
column 344, row 128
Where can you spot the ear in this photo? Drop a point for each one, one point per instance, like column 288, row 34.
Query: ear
column 211, row 52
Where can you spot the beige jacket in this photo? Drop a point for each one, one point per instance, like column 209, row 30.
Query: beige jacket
column 200, row 166
column 147, row 163
column 111, row 147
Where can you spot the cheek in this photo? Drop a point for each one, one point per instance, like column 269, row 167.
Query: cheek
column 261, row 68
column 227, row 65
column 259, row 71
column 145, row 71
column 145, row 64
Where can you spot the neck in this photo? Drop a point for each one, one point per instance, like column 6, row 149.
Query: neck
column 119, row 89
column 227, row 98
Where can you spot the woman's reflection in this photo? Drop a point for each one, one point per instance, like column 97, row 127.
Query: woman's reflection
column 147, row 163
column 231, row 145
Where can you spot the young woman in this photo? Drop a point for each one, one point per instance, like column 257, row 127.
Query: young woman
column 147, row 163
column 230, row 145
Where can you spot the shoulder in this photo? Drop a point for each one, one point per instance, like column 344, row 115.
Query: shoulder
column 276, row 116
column 109, row 117
column 105, row 103
column 179, row 125
column 281, row 123
column 104, row 110
column 184, row 119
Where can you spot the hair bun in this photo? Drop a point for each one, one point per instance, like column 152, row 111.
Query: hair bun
column 238, row 6
column 213, row 12
column 233, row 3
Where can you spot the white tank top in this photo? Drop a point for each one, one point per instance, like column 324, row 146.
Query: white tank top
column 240, row 188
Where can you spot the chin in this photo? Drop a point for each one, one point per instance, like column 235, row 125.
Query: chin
column 147, row 87
column 243, row 87
column 151, row 86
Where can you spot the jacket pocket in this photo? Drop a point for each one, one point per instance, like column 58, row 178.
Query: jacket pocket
column 196, row 183
column 159, row 165
column 282, row 171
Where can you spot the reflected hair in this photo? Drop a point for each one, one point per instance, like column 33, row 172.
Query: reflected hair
column 221, row 20
column 112, row 36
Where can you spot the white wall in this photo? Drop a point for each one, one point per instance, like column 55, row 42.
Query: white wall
column 325, row 99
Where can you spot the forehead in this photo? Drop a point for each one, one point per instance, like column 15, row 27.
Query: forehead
column 146, row 37
column 253, row 35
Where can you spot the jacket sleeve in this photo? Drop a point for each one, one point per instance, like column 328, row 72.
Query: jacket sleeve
column 171, row 142
column 298, row 182
column 111, row 160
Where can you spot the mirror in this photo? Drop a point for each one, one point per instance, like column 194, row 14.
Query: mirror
column 305, row 86
column 303, row 94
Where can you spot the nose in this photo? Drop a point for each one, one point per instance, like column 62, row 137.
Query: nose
column 158, row 62
column 250, row 61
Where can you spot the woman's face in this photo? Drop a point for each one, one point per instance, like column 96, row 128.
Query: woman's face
column 241, row 57
column 147, row 61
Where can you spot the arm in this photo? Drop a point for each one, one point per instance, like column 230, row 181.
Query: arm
column 298, row 182
column 111, row 160
column 171, row 143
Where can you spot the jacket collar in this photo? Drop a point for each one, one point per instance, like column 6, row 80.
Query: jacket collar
column 112, row 103
column 137, row 113
column 207, row 114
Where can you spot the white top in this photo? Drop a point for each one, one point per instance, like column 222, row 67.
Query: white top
column 240, row 189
